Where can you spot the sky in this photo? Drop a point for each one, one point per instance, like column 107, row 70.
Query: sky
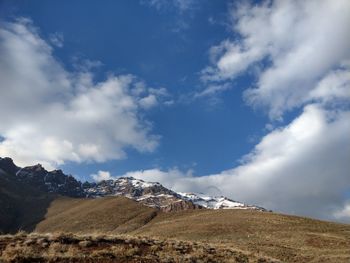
column 238, row 98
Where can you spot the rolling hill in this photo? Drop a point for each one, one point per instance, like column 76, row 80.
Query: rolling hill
column 283, row 237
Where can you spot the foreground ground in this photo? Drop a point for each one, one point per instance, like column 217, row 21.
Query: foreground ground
column 112, row 248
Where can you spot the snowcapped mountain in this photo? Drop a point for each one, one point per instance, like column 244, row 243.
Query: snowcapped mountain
column 156, row 195
column 151, row 194
column 216, row 202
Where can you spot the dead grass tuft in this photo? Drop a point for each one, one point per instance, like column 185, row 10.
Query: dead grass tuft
column 109, row 248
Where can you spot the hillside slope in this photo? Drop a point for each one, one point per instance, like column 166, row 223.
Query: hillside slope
column 287, row 238
column 95, row 215
column 284, row 237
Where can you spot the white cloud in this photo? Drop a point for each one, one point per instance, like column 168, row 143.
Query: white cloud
column 333, row 87
column 290, row 42
column 101, row 175
column 180, row 5
column 343, row 213
column 50, row 115
column 154, row 97
column 301, row 168
column 212, row 90
column 148, row 102
column 56, row 39
column 300, row 61
column 168, row 178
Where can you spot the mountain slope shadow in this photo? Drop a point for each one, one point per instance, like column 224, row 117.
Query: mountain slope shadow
column 22, row 206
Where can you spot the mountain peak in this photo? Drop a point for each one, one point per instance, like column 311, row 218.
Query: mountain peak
column 8, row 166
column 151, row 194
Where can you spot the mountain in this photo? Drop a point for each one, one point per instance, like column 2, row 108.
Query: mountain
column 217, row 202
column 148, row 193
column 53, row 182
column 22, row 205
column 34, row 199
column 151, row 194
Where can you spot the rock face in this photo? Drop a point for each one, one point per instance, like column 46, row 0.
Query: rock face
column 53, row 182
column 151, row 194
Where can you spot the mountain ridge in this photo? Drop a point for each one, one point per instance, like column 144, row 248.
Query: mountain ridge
column 152, row 194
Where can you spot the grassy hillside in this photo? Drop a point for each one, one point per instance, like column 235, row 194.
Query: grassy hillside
column 283, row 237
column 102, row 215
column 288, row 238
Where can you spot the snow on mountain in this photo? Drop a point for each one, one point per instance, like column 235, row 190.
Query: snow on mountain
column 156, row 195
column 216, row 202
column 149, row 193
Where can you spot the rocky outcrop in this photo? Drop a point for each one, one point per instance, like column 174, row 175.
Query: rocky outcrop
column 53, row 182
column 180, row 205
column 148, row 193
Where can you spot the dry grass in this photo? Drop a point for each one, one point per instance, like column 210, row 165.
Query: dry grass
column 107, row 215
column 111, row 248
column 286, row 238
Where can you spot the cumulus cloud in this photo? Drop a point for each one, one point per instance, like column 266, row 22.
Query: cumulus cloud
column 343, row 213
column 301, row 169
column 290, row 42
column 101, row 175
column 333, row 87
column 50, row 115
column 168, row 178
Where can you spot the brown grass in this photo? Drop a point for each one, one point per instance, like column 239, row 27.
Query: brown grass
column 106, row 215
column 265, row 234
column 287, row 238
column 111, row 248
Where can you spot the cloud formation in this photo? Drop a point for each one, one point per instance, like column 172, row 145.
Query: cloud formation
column 101, row 175
column 50, row 115
column 301, row 167
column 288, row 44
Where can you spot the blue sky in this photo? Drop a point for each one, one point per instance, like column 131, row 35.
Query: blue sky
column 131, row 37
column 194, row 94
